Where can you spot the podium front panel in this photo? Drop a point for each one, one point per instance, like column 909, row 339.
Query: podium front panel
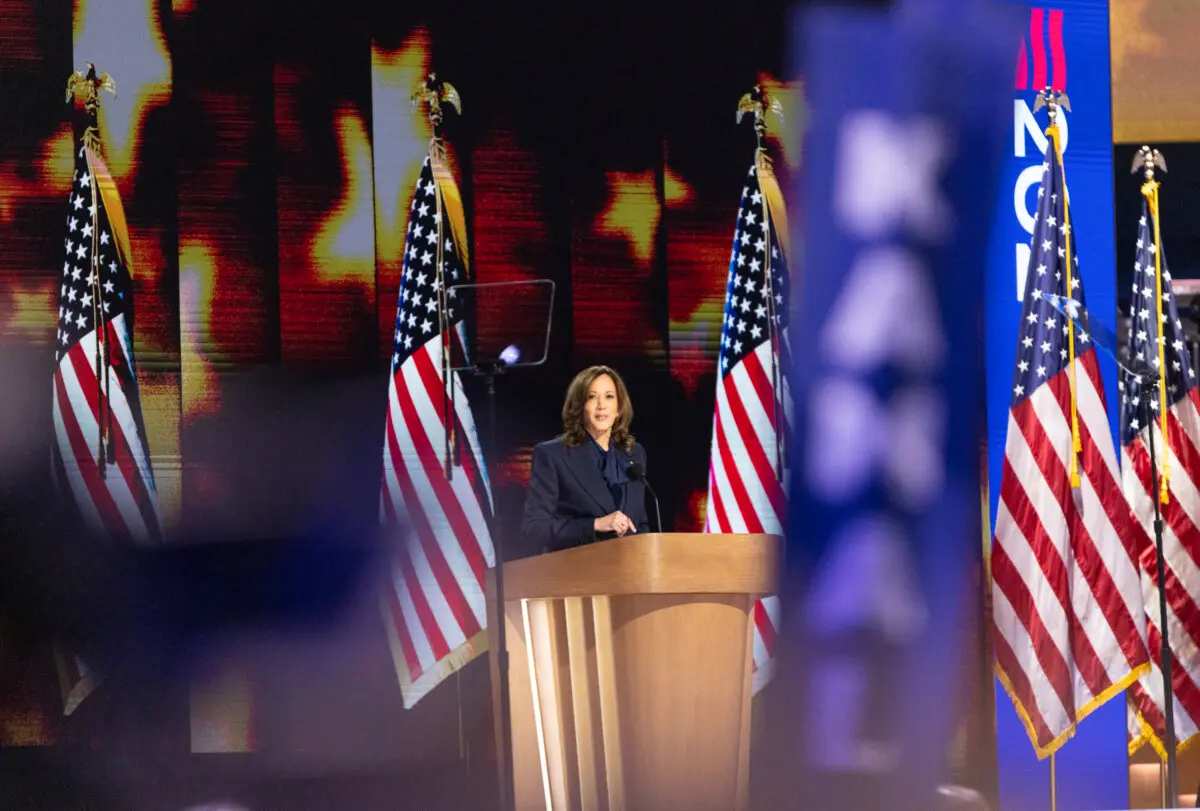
column 630, row 702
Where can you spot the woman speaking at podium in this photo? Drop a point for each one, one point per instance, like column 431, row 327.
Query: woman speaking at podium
column 580, row 490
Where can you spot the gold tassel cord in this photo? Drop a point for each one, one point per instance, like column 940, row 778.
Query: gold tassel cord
column 762, row 166
column 1076, row 445
column 104, row 342
column 437, row 93
column 104, row 450
column 757, row 102
column 444, row 325
column 97, row 314
column 1150, row 192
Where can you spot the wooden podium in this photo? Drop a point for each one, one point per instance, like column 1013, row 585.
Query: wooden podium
column 629, row 671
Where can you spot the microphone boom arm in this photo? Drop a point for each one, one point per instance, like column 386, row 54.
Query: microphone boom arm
column 637, row 472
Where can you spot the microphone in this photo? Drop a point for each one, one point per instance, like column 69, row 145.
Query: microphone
column 637, row 472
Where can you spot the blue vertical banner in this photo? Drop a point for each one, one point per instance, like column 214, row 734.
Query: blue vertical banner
column 908, row 110
column 1065, row 47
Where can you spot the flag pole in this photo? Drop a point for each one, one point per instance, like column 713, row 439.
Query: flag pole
column 434, row 93
column 1165, row 650
column 1162, row 783
column 1053, row 101
column 1053, row 782
column 757, row 102
column 1147, row 159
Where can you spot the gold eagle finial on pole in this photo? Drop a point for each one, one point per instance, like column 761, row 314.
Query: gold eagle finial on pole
column 90, row 84
column 1052, row 101
column 758, row 102
column 1148, row 159
column 436, row 92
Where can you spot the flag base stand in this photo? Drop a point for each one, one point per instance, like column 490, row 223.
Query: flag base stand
column 485, row 355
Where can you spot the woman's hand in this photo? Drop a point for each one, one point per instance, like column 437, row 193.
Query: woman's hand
column 617, row 522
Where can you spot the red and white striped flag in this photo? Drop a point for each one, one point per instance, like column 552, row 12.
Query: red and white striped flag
column 747, row 480
column 1176, row 406
column 101, row 456
column 1069, row 625
column 434, row 477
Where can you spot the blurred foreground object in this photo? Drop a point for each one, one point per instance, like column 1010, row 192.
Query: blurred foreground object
column 908, row 112
column 957, row 798
column 302, row 553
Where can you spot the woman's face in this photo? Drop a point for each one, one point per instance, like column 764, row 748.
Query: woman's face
column 600, row 410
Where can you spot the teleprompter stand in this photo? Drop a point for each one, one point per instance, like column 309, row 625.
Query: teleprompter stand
column 508, row 327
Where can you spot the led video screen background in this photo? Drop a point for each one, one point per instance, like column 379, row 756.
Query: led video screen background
column 1155, row 56
column 266, row 153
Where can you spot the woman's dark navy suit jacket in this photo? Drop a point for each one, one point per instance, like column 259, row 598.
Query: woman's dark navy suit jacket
column 567, row 493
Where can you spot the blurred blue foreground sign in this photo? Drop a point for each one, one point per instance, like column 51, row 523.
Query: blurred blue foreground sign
column 908, row 112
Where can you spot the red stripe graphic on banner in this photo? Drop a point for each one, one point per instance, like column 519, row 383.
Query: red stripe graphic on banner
column 1037, row 44
column 1058, row 57
column 1022, row 79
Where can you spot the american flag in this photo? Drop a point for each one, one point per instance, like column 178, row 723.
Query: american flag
column 747, row 472
column 101, row 456
column 1141, row 410
column 435, row 483
column 1069, row 626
